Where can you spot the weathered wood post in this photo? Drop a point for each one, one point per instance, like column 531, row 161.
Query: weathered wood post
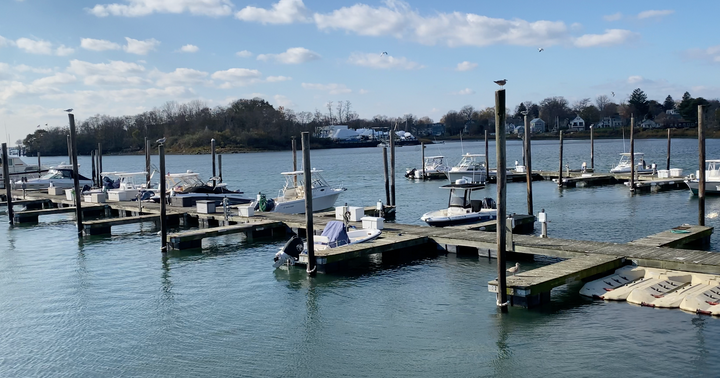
column 502, row 301
column 312, row 267
column 147, row 163
column 39, row 165
column 528, row 165
column 212, row 153
column 76, row 179
column 632, row 153
column 99, row 155
column 487, row 158
column 94, row 172
column 163, row 203
column 667, row 162
column 560, row 176
column 220, row 168
column 69, row 149
column 701, row 158
column 392, row 167
column 387, row 181
column 294, row 151
column 6, row 181
column 422, row 148
column 592, row 149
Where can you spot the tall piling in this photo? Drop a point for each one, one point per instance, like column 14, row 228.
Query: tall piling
column 212, row 154
column 528, row 165
column 220, row 168
column 76, row 179
column 422, row 148
column 312, row 267
column 592, row 148
column 148, row 172
column 667, row 162
column 99, row 155
column 560, row 175
column 294, row 151
column 501, row 197
column 163, row 201
column 392, row 167
column 387, row 179
column 69, row 149
column 632, row 153
column 6, row 181
column 701, row 161
column 39, row 165
column 487, row 158
column 94, row 172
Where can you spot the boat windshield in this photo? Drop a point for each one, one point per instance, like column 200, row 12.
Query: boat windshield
column 434, row 161
column 183, row 182
column 458, row 198
column 316, row 181
column 56, row 175
column 471, row 162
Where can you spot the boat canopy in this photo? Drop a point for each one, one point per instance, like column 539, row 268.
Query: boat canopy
column 628, row 154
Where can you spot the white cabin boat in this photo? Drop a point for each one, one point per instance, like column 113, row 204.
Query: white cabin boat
column 188, row 188
column 58, row 177
column 435, row 168
column 291, row 198
column 461, row 208
column 471, row 168
column 129, row 185
column 625, row 164
column 712, row 179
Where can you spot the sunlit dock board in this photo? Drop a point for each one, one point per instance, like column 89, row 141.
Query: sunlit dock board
column 680, row 236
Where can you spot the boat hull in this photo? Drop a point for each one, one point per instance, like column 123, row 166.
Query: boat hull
column 711, row 188
column 323, row 202
column 440, row 219
column 44, row 184
column 475, row 177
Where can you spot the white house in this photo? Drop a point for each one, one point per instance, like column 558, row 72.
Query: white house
column 537, row 125
column 510, row 128
column 649, row 124
column 577, row 124
column 607, row 122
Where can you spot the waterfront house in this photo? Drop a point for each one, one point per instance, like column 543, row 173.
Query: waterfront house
column 609, row 122
column 537, row 125
column 649, row 124
column 577, row 124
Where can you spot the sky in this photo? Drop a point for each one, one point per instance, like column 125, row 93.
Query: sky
column 391, row 57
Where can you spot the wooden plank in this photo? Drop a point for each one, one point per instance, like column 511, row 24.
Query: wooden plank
column 59, row 210
column 121, row 221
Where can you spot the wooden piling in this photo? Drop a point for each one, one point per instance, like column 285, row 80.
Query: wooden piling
column 501, row 196
column 212, row 154
column 147, row 163
column 69, row 149
column 560, row 176
column 163, row 204
column 392, row 167
column 528, row 166
column 76, row 179
column 39, row 165
column 701, row 158
column 632, row 153
column 94, row 172
column 422, row 148
column 311, row 268
column 99, row 155
column 6, row 181
column 592, row 149
column 487, row 158
column 667, row 163
column 220, row 168
column 387, row 182
column 294, row 151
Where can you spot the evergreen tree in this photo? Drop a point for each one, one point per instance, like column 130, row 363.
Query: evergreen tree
column 669, row 103
column 638, row 100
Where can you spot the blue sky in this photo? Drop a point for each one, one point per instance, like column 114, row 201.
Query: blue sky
column 123, row 57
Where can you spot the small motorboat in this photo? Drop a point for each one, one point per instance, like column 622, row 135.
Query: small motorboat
column 59, row 177
column 185, row 189
column 127, row 186
column 712, row 179
column 471, row 167
column 291, row 198
column 461, row 208
column 435, row 168
column 335, row 235
column 706, row 300
column 625, row 164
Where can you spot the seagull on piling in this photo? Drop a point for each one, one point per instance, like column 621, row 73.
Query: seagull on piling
column 161, row 140
column 514, row 269
column 501, row 83
column 68, row 110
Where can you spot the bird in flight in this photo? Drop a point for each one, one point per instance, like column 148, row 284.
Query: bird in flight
column 541, row 49
column 613, row 94
column 38, row 126
column 68, row 110
column 383, row 53
column 161, row 140
column 500, row 82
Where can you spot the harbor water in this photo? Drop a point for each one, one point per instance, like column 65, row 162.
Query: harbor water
column 115, row 306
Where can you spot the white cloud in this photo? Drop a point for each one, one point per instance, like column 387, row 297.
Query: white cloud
column 275, row 79
column 189, row 49
column 609, row 38
column 237, row 77
column 375, row 60
column 115, row 67
column 363, row 91
column 181, row 76
column 294, row 55
column 463, row 92
column 283, row 101
column 115, row 80
column 654, row 13
column 331, row 88
column 34, row 46
column 137, row 8
column 635, row 79
column 57, row 79
column 64, row 51
column 711, row 54
column 135, row 46
column 244, row 54
column 465, row 66
column 5, row 42
column 282, row 12
column 26, row 68
column 98, row 44
column 613, row 17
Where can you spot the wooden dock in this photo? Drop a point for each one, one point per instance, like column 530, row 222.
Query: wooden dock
column 684, row 236
column 31, row 216
column 643, row 183
column 103, row 226
column 588, row 179
column 193, row 239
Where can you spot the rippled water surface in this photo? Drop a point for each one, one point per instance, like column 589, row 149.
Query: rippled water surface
column 114, row 306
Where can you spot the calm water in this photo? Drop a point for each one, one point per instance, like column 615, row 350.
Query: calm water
column 113, row 306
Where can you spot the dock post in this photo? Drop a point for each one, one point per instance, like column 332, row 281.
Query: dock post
column 94, row 173
column 76, row 179
column 528, row 166
column 632, row 153
column 99, row 155
column 592, row 149
column 312, row 267
column 163, row 204
column 39, row 165
column 502, row 300
column 392, row 167
column 147, row 163
column 69, row 149
column 422, row 148
column 387, row 182
column 560, row 176
column 487, row 158
column 6, row 181
column 667, row 163
column 212, row 153
column 220, row 168
column 294, row 151
column 701, row 157
column 542, row 218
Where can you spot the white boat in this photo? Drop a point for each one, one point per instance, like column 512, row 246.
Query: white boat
column 662, row 286
column 471, row 167
column 126, row 187
column 335, row 235
column 700, row 284
column 59, row 177
column 623, row 276
column 291, row 198
column 188, row 188
column 625, row 164
column 435, row 167
column 705, row 300
column 712, row 179
column 461, row 208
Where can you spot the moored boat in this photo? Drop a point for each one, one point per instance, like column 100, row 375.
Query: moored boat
column 625, row 164
column 60, row 177
column 471, row 167
column 461, row 208
column 291, row 198
column 712, row 179
column 435, row 168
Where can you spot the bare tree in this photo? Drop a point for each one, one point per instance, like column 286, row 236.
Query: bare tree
column 329, row 106
column 466, row 112
column 579, row 105
column 602, row 101
column 304, row 117
column 340, row 110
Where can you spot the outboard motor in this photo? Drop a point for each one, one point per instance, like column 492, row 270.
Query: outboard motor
column 489, row 203
column 410, row 173
column 290, row 252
